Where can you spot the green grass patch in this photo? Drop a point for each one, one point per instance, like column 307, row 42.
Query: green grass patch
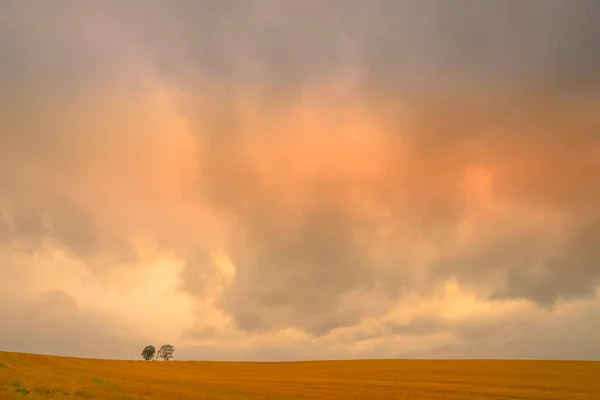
column 105, row 383
column 20, row 389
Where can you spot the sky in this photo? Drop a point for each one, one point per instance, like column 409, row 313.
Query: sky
column 286, row 180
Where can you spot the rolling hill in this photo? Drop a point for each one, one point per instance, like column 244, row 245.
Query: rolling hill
column 49, row 377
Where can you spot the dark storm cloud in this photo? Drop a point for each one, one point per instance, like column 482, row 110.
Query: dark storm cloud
column 284, row 42
column 385, row 42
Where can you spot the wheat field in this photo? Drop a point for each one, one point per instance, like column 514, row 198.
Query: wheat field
column 47, row 377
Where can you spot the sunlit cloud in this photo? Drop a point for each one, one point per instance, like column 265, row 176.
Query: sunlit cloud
column 276, row 180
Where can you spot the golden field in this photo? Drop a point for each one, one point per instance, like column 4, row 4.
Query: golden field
column 46, row 377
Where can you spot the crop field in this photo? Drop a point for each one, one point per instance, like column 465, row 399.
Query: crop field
column 46, row 377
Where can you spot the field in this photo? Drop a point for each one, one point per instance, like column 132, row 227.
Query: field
column 46, row 377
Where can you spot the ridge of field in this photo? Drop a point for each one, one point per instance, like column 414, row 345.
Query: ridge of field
column 34, row 376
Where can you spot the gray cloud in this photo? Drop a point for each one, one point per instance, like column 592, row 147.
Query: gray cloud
column 571, row 273
column 525, row 335
column 55, row 324
column 303, row 267
column 282, row 42
column 288, row 43
column 34, row 212
column 420, row 326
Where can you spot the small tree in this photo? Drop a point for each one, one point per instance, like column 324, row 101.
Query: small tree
column 166, row 352
column 148, row 352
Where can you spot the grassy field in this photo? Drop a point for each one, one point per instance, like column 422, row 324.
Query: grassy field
column 45, row 377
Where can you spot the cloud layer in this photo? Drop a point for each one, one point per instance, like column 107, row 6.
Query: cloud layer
column 308, row 180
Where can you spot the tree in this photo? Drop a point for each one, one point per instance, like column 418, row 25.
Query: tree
column 148, row 352
column 166, row 352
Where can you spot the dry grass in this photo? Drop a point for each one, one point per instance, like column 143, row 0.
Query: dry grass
column 45, row 377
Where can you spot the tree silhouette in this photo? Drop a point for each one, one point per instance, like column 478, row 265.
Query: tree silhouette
column 148, row 352
column 166, row 352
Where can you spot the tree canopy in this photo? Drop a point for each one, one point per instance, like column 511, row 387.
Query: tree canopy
column 166, row 352
column 148, row 352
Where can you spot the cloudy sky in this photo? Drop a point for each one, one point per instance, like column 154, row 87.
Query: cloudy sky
column 281, row 180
